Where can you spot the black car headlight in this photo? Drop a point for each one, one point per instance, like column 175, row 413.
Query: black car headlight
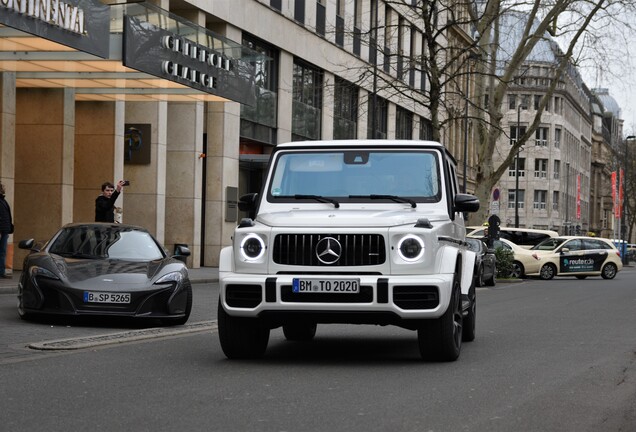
column 36, row 271
column 410, row 248
column 252, row 247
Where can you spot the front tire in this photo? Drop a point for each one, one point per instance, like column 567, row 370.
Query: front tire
column 517, row 270
column 441, row 339
column 548, row 271
column 492, row 280
column 470, row 320
column 241, row 338
column 609, row 271
column 188, row 309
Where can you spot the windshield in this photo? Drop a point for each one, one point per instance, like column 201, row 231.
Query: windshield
column 94, row 242
column 357, row 175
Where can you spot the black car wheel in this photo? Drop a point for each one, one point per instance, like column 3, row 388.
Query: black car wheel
column 548, row 271
column 470, row 320
column 241, row 338
column 609, row 271
column 492, row 280
column 479, row 279
column 441, row 339
column 21, row 311
column 300, row 331
column 517, row 270
column 188, row 309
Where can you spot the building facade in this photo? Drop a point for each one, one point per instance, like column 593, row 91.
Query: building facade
column 186, row 100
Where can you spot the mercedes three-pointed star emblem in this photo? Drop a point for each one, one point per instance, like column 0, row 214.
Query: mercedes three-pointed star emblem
column 328, row 250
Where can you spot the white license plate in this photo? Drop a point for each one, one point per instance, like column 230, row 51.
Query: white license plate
column 332, row 286
column 103, row 297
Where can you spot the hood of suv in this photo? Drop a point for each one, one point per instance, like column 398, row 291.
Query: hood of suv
column 344, row 218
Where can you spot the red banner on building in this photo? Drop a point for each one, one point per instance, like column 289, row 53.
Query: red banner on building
column 614, row 210
column 578, row 196
column 620, row 194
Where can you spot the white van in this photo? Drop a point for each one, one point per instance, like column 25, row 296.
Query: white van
column 524, row 237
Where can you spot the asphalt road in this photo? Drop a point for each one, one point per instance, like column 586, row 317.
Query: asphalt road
column 549, row 356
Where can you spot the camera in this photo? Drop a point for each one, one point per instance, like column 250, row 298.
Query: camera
column 126, row 183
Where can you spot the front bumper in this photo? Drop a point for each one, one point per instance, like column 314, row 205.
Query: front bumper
column 382, row 299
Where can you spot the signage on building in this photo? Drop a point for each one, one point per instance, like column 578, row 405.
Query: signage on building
column 80, row 24
column 164, row 54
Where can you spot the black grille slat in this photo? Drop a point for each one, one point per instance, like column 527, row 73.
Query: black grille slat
column 357, row 250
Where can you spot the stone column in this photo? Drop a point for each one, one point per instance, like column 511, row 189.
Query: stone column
column 222, row 125
column 44, row 143
column 98, row 154
column 146, row 195
column 285, row 84
column 7, row 151
column 327, row 107
column 184, row 169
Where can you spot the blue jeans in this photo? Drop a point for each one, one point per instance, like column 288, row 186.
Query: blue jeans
column 4, row 237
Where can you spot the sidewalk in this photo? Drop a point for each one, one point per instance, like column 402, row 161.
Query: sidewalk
column 199, row 275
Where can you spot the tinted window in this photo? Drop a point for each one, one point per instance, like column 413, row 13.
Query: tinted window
column 574, row 245
column 549, row 244
column 99, row 242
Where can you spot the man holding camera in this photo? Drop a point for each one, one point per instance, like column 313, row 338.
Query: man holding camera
column 105, row 203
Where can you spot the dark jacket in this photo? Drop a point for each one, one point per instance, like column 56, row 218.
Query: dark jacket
column 6, row 222
column 105, row 208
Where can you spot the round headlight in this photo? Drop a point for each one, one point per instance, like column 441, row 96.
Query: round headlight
column 252, row 247
column 411, row 248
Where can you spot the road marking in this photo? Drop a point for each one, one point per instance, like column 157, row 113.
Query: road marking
column 123, row 337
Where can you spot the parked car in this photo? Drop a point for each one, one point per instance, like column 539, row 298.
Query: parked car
column 524, row 237
column 577, row 256
column 104, row 269
column 523, row 260
column 485, row 262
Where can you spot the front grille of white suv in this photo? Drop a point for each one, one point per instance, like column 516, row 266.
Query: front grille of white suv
column 351, row 250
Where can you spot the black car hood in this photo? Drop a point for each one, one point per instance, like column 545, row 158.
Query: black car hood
column 96, row 274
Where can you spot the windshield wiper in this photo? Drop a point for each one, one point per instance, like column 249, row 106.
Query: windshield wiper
column 319, row 198
column 395, row 198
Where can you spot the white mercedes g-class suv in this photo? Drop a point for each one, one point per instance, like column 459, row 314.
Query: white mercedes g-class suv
column 362, row 232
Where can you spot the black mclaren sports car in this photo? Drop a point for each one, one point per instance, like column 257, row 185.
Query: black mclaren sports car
column 104, row 269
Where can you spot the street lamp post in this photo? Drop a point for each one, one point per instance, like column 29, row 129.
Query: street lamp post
column 471, row 56
column 517, row 166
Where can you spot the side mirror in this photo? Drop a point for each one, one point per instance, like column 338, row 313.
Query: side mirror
column 247, row 203
column 181, row 250
column 26, row 244
column 466, row 203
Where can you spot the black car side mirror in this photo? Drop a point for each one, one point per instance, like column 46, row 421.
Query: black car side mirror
column 466, row 203
column 26, row 244
column 247, row 203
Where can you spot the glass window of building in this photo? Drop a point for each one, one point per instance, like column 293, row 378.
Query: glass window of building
column 557, row 137
column 557, row 169
column 516, row 133
column 306, row 101
column 541, row 136
column 403, row 124
column 426, row 129
column 540, row 198
column 541, row 168
column 512, row 101
column 511, row 198
column 522, row 168
column 345, row 122
column 555, row 200
column 259, row 122
column 378, row 117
